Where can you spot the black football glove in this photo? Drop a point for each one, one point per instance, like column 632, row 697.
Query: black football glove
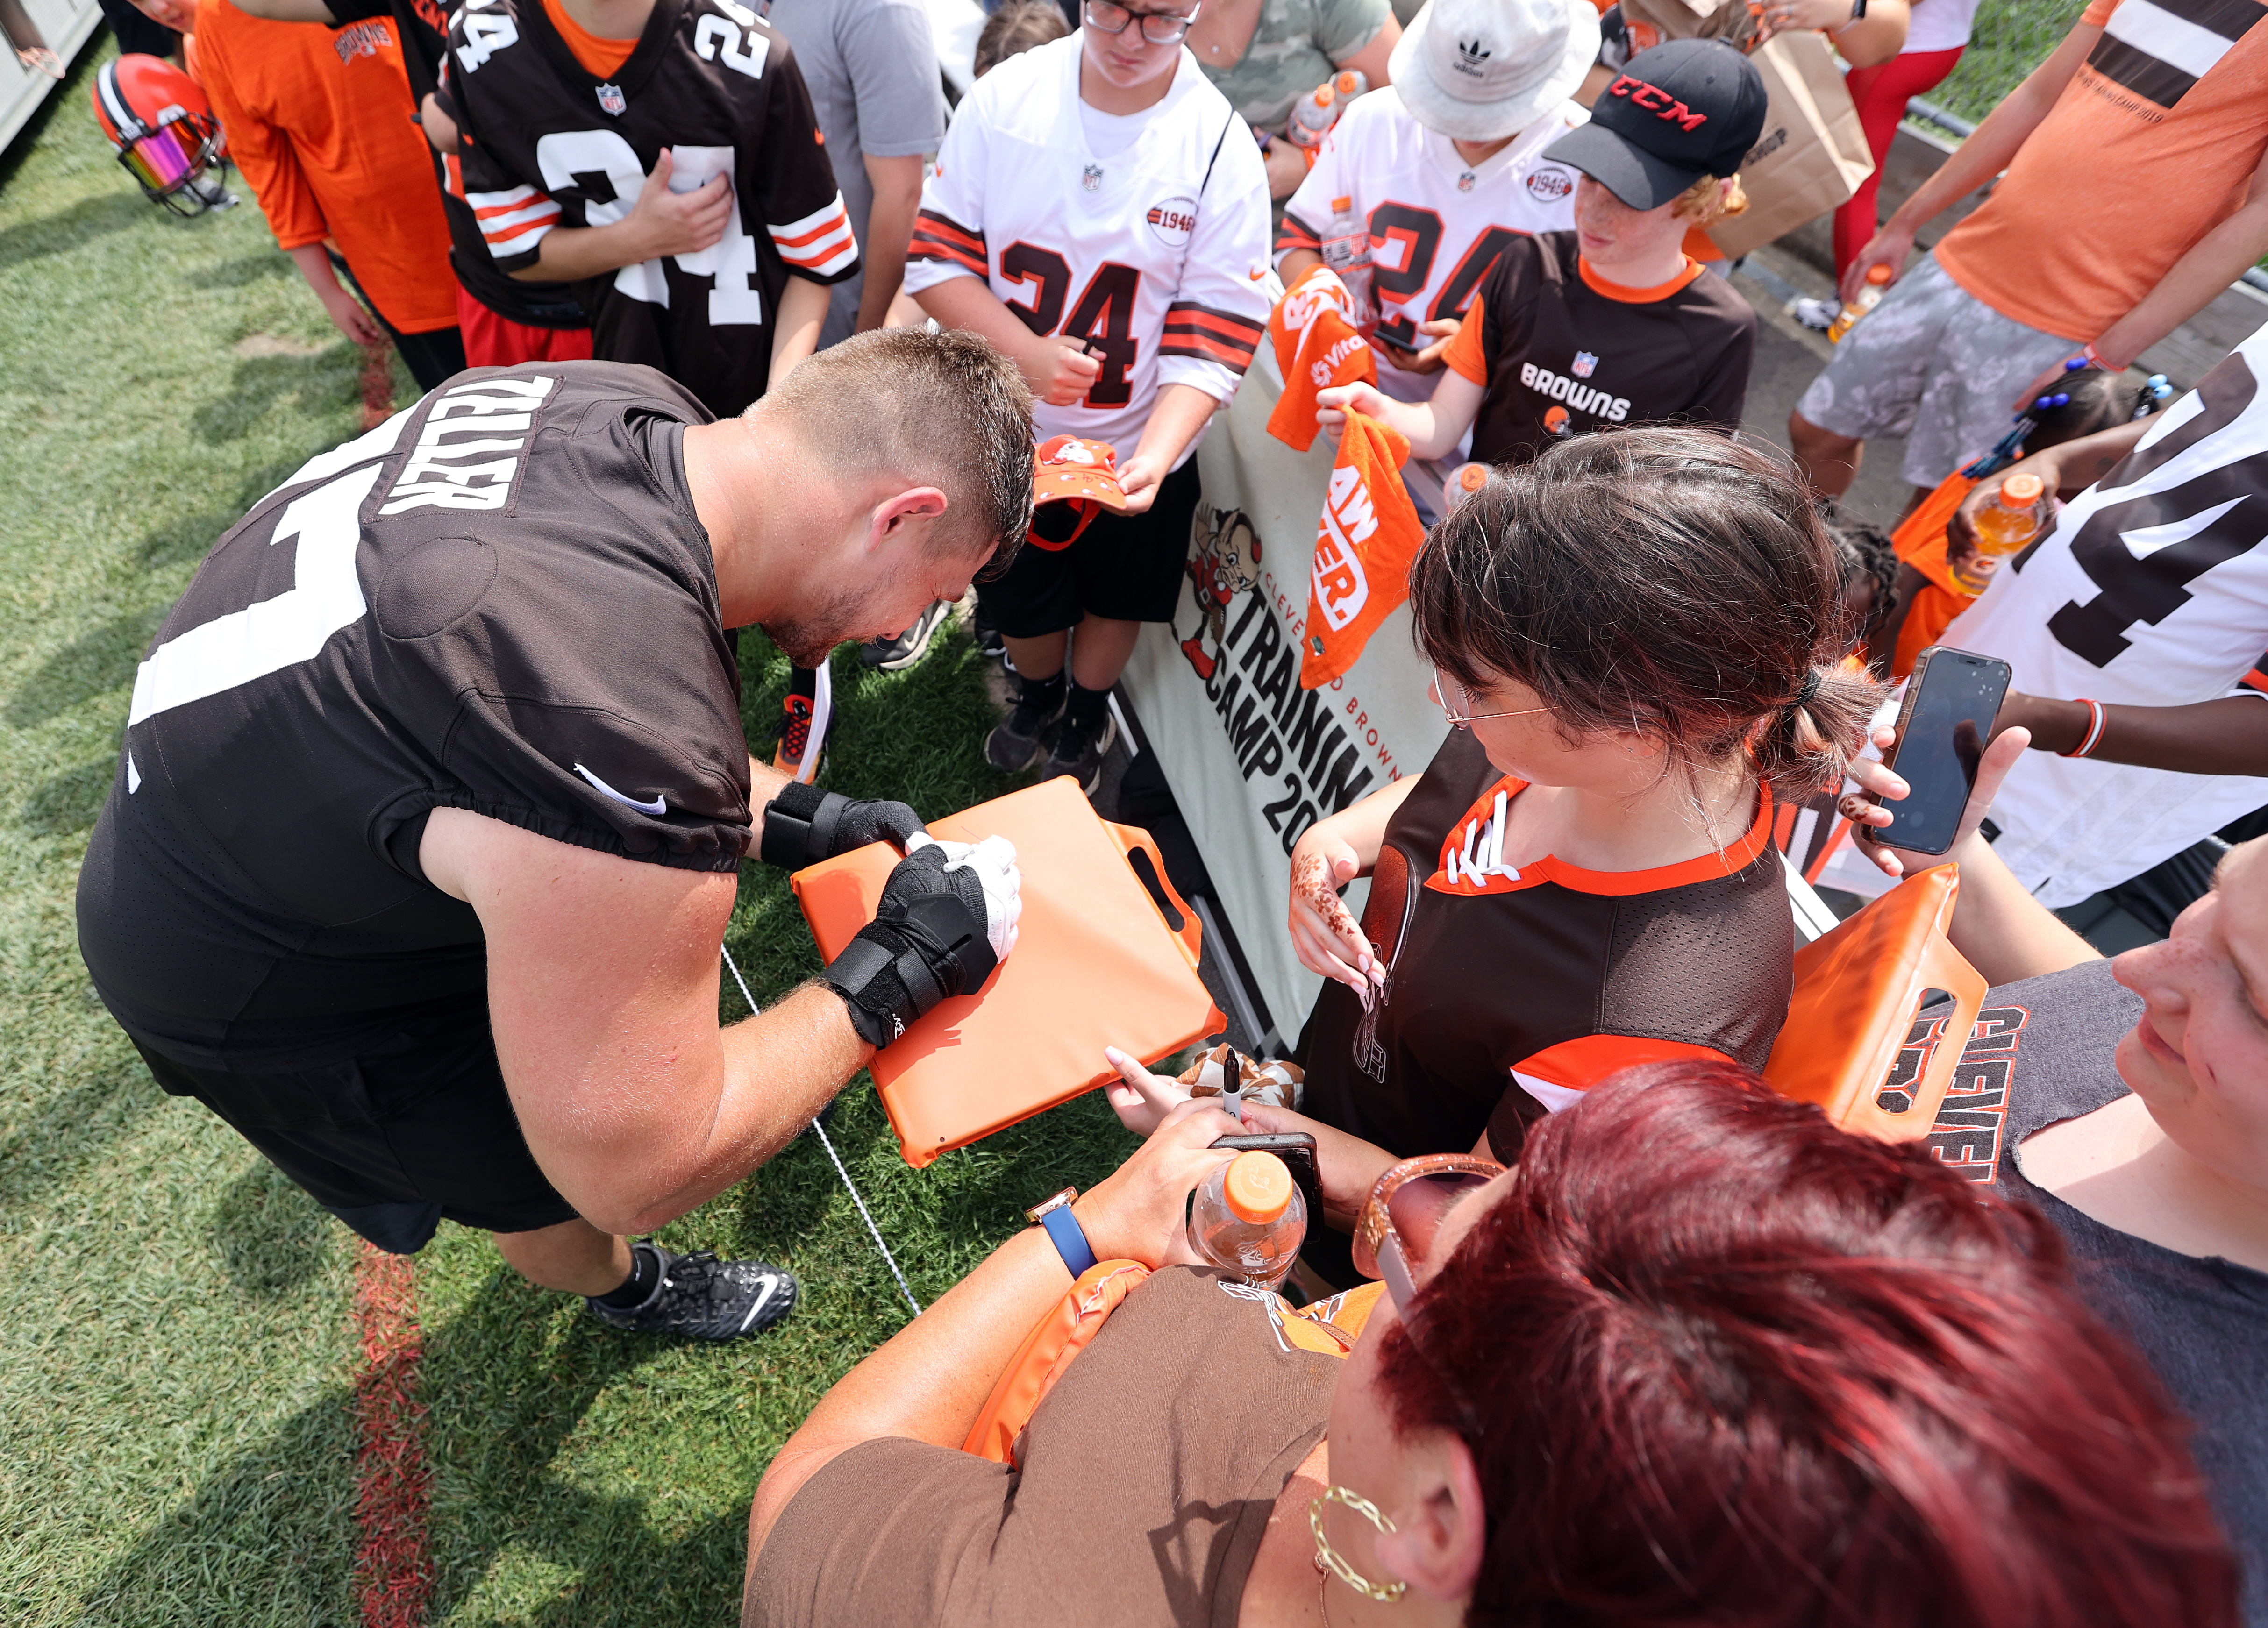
column 804, row 825
column 947, row 918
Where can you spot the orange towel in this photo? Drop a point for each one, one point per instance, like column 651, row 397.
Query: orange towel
column 1317, row 347
column 1365, row 544
column 1920, row 543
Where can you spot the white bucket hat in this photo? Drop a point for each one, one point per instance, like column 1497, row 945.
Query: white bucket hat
column 1477, row 70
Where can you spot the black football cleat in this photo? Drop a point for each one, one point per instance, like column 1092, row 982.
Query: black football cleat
column 701, row 1298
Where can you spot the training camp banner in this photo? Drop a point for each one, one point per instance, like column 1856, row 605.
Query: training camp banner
column 1252, row 759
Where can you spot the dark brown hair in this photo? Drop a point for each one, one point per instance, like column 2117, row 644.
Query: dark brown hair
column 1015, row 28
column 1666, row 581
column 1717, row 1362
column 945, row 410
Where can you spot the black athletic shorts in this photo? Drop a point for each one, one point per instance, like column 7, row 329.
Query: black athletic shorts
column 1124, row 566
column 415, row 1129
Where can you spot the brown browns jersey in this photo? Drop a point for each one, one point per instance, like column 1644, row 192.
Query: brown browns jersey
column 1509, row 990
column 1560, row 351
column 499, row 600
column 548, row 143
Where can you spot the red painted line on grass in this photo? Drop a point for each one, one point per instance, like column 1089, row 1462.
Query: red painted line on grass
column 393, row 1568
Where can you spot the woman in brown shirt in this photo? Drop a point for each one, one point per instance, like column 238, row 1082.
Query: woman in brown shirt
column 1703, row 1355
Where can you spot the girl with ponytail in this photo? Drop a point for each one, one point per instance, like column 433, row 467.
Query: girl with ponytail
column 1639, row 639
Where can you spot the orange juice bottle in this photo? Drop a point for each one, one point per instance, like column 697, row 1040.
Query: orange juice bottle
column 1878, row 279
column 2012, row 519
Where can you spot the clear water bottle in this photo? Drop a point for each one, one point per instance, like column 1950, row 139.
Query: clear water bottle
column 1346, row 251
column 1878, row 279
column 1249, row 1218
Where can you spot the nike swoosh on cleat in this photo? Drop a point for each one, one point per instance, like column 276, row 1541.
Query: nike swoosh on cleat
column 770, row 1285
column 656, row 808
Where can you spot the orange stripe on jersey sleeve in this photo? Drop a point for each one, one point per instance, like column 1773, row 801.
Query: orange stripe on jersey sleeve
column 937, row 237
column 1573, row 1066
column 1295, row 233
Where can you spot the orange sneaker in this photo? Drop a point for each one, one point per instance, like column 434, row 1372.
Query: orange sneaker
column 795, row 736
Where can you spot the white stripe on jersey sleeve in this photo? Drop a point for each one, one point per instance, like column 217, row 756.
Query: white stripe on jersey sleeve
column 821, row 243
column 514, row 221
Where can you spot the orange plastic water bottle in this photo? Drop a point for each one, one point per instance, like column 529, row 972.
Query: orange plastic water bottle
column 2004, row 526
column 1249, row 1217
column 1878, row 279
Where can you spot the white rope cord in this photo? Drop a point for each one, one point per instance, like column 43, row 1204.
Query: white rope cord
column 836, row 1159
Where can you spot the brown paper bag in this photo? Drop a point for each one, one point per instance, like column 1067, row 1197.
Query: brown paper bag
column 1647, row 23
column 1812, row 154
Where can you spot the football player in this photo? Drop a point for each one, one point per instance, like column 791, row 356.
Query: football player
column 663, row 156
column 1101, row 213
column 425, row 837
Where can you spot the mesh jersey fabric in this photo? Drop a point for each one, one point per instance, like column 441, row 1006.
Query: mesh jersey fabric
column 1156, row 253
column 500, row 600
column 1437, row 224
column 315, row 122
column 1561, row 351
column 421, row 26
column 548, row 143
column 1509, row 987
column 2150, row 588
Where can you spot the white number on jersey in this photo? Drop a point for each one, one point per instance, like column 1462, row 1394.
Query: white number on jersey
column 273, row 634
column 731, row 259
column 484, row 36
column 715, row 39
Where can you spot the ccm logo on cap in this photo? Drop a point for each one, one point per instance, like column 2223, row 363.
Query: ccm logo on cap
column 1657, row 101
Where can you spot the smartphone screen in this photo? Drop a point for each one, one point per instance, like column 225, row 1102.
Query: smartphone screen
column 1942, row 730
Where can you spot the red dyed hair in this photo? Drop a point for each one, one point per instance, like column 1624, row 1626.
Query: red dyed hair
column 1729, row 1365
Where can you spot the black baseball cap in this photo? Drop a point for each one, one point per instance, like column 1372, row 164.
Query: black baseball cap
column 1685, row 109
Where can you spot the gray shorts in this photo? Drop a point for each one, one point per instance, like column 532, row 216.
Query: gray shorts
column 1934, row 363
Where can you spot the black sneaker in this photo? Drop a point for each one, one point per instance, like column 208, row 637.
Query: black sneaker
column 701, row 1298
column 990, row 644
column 1016, row 740
column 895, row 655
column 1079, row 753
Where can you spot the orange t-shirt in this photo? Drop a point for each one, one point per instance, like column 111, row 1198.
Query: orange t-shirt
column 602, row 59
column 2152, row 145
column 317, row 120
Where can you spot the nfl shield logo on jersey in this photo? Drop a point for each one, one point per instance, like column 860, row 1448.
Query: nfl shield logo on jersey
column 1090, row 178
column 1585, row 365
column 612, row 101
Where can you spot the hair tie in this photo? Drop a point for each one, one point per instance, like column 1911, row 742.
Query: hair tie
column 1803, row 697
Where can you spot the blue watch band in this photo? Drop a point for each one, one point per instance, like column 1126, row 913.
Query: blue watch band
column 1069, row 1239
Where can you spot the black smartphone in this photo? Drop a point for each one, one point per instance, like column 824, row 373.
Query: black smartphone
column 1950, row 703
column 1296, row 1149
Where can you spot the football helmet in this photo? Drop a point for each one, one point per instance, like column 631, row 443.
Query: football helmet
column 163, row 131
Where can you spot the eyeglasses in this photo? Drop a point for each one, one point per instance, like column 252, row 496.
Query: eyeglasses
column 1403, row 1215
column 1158, row 27
column 1457, row 704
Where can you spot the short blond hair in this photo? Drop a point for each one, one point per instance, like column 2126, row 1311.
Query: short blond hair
column 1703, row 204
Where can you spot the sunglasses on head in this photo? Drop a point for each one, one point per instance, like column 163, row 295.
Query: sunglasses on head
column 1403, row 1217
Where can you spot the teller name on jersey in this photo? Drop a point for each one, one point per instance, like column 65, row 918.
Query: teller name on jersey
column 1155, row 254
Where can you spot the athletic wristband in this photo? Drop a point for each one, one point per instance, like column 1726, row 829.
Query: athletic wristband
column 800, row 826
column 2096, row 716
column 1070, row 1240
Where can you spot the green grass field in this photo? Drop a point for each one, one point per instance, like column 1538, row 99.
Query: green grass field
column 174, row 1341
